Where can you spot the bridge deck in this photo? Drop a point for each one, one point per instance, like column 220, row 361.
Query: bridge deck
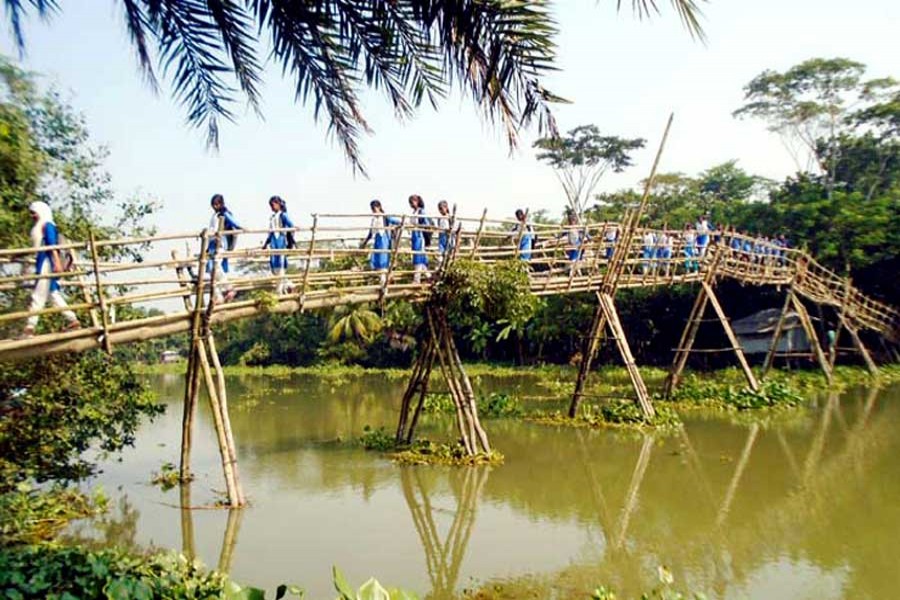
column 328, row 268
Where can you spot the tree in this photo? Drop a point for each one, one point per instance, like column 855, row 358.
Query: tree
column 496, row 51
column 582, row 157
column 812, row 104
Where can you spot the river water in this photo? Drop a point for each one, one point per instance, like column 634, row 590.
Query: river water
column 805, row 505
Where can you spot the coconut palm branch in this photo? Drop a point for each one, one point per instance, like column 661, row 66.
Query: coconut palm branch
column 357, row 323
column 495, row 51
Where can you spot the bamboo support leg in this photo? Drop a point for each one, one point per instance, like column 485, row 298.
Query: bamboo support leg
column 411, row 388
column 776, row 335
column 226, row 418
column 469, row 393
column 191, row 390
column 732, row 338
column 215, row 408
column 686, row 343
column 452, row 385
column 863, row 351
column 813, row 338
column 640, row 388
column 426, row 378
column 588, row 353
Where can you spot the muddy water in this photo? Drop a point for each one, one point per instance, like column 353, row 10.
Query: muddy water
column 806, row 506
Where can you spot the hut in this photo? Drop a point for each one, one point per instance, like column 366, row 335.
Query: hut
column 755, row 333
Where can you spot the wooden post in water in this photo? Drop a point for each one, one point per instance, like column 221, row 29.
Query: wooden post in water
column 813, row 337
column 732, row 338
column 776, row 335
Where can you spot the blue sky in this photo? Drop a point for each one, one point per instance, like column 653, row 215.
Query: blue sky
column 622, row 74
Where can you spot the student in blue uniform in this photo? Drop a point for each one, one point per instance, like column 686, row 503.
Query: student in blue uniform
column 443, row 225
column 217, row 202
column 417, row 236
column 279, row 240
column 525, row 234
column 664, row 249
column 611, row 235
column 690, row 249
column 703, row 229
column 44, row 233
column 380, row 232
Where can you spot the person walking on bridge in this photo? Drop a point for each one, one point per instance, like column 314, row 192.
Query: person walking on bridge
column 524, row 232
column 443, row 225
column 703, row 231
column 278, row 240
column 44, row 233
column 380, row 232
column 417, row 236
column 221, row 267
column 690, row 249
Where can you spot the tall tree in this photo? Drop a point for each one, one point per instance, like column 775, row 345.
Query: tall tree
column 496, row 51
column 812, row 104
column 582, row 157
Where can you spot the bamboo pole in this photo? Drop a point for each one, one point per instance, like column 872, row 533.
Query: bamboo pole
column 104, row 316
column 637, row 381
column 732, row 338
column 776, row 335
column 308, row 266
column 478, row 234
column 813, row 338
column 589, row 350
column 191, row 389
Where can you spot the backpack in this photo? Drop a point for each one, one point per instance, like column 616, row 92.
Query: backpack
column 426, row 233
column 288, row 236
column 66, row 255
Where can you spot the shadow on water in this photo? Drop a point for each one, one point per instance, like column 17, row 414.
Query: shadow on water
column 799, row 507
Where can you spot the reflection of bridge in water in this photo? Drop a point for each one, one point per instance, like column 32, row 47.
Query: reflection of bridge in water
column 596, row 258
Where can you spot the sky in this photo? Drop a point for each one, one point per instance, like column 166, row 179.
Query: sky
column 622, row 74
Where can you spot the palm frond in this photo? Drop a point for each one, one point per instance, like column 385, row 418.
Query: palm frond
column 139, row 29
column 688, row 11
column 190, row 51
column 238, row 39
column 44, row 8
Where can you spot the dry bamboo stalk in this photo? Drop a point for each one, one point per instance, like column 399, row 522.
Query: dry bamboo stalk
column 478, row 234
column 312, row 245
column 226, row 419
column 104, row 315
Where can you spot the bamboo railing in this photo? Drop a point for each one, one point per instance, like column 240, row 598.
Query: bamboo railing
column 329, row 268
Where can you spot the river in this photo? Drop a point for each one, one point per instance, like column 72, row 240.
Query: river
column 803, row 505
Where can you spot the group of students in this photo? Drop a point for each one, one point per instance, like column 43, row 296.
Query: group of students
column 657, row 248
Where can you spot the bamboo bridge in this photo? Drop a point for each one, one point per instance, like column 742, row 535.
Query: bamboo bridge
column 329, row 268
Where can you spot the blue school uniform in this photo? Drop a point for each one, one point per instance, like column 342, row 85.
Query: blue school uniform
column 50, row 238
column 417, row 239
column 526, row 242
column 229, row 224
column 381, row 242
column 278, row 240
column 574, row 239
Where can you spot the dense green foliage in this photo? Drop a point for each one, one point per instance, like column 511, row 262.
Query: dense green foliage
column 56, row 409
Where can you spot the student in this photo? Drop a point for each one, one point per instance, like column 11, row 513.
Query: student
column 217, row 202
column 611, row 235
column 279, row 240
column 649, row 252
column 690, row 249
column 702, row 235
column 443, row 225
column 45, row 233
column 573, row 232
column 524, row 232
column 664, row 248
column 417, row 236
column 380, row 234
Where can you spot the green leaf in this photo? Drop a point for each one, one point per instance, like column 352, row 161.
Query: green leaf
column 341, row 585
column 372, row 590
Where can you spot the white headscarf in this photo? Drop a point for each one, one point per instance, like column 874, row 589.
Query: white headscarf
column 45, row 215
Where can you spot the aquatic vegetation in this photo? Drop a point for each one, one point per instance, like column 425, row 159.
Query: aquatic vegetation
column 168, row 477
column 370, row 590
column 491, row 406
column 377, row 439
column 706, row 393
column 426, row 452
column 615, row 414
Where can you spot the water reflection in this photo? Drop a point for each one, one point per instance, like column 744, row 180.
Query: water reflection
column 799, row 505
column 444, row 552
